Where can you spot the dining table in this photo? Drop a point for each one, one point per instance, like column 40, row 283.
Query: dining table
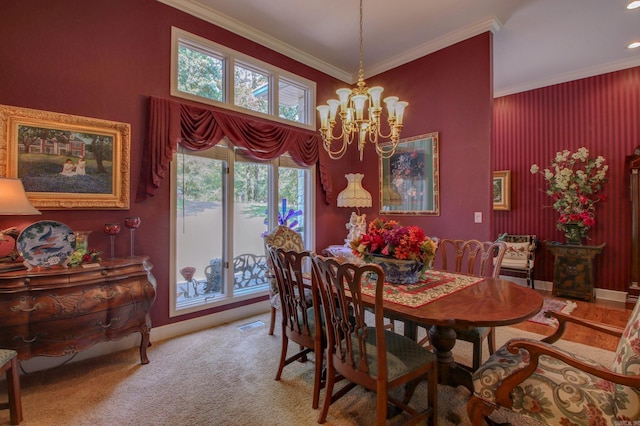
column 444, row 301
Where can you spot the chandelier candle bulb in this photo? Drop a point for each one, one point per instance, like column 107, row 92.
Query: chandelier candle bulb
column 360, row 117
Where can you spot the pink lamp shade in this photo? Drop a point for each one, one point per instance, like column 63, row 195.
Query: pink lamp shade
column 13, row 199
column 354, row 195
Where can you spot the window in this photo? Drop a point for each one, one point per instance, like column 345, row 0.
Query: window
column 207, row 72
column 223, row 201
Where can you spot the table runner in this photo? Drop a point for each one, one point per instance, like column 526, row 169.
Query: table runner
column 435, row 285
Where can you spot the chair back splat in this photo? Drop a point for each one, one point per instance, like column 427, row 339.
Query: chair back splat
column 281, row 237
column 372, row 357
column 300, row 306
column 472, row 257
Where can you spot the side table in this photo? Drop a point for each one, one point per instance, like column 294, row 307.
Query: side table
column 573, row 270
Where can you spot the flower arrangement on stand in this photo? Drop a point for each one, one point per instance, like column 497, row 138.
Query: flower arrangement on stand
column 391, row 240
column 574, row 182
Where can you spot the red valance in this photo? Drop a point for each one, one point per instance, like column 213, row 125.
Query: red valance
column 197, row 128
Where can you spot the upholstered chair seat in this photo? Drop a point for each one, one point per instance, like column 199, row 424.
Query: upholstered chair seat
column 9, row 365
column 556, row 387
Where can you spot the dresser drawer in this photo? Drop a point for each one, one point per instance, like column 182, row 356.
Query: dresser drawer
column 68, row 335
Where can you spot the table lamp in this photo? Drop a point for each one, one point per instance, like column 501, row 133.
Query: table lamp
column 13, row 202
column 354, row 195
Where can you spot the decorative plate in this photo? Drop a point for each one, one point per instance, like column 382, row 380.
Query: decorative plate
column 46, row 243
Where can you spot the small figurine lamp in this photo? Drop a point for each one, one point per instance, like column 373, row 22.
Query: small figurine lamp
column 354, row 195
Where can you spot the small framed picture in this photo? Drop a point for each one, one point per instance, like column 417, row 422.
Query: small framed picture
column 502, row 190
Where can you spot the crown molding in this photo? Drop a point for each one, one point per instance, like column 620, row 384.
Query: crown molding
column 492, row 24
column 212, row 16
column 570, row 76
column 241, row 29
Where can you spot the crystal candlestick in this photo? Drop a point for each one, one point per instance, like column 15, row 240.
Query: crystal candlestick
column 132, row 223
column 112, row 229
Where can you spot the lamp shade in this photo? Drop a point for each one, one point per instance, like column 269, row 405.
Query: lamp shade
column 13, row 199
column 354, row 195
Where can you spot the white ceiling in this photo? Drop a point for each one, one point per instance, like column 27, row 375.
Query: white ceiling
column 536, row 42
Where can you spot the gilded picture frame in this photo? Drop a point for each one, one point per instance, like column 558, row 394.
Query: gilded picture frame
column 409, row 179
column 502, row 190
column 66, row 161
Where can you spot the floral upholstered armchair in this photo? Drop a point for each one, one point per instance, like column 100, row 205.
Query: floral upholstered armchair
column 281, row 237
column 536, row 379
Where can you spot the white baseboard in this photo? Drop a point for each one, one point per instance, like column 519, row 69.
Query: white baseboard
column 159, row 333
column 602, row 294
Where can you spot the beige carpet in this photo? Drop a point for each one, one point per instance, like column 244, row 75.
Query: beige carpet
column 219, row 376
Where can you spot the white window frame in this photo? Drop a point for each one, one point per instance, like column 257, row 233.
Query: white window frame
column 310, row 223
column 230, row 56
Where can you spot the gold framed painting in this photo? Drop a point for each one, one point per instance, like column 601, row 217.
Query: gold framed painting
column 502, row 190
column 409, row 179
column 66, row 161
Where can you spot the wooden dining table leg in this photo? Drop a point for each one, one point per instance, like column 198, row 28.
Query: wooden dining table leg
column 443, row 340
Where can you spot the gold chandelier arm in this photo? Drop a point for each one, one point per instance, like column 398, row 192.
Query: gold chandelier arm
column 386, row 152
column 358, row 113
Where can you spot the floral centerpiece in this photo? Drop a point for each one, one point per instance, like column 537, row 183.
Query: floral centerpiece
column 574, row 181
column 388, row 239
column 83, row 256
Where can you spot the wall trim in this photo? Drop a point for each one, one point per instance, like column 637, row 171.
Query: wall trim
column 158, row 334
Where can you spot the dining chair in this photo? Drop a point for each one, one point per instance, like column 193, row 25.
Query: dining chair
column 520, row 256
column 556, row 387
column 373, row 357
column 301, row 322
column 481, row 259
column 282, row 237
column 9, row 365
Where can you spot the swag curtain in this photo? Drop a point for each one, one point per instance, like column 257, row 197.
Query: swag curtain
column 198, row 128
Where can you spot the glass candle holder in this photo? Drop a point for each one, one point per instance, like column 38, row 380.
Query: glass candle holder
column 132, row 222
column 112, row 229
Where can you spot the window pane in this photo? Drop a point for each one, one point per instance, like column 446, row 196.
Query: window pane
column 200, row 73
column 293, row 101
column 199, row 227
column 251, row 89
column 251, row 183
column 291, row 189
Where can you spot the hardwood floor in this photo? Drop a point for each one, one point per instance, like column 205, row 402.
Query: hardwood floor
column 613, row 313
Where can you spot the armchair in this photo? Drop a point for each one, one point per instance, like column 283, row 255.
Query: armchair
column 539, row 380
column 520, row 256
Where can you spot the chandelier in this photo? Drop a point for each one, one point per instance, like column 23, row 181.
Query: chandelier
column 359, row 112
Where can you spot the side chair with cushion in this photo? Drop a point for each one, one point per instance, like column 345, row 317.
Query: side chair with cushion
column 520, row 257
column 281, row 237
column 299, row 317
column 9, row 365
column 481, row 259
column 373, row 357
column 556, row 387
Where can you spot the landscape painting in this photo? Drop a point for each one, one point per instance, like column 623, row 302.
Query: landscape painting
column 67, row 161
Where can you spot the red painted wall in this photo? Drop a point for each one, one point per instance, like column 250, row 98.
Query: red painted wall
column 450, row 92
column 103, row 59
column 601, row 113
